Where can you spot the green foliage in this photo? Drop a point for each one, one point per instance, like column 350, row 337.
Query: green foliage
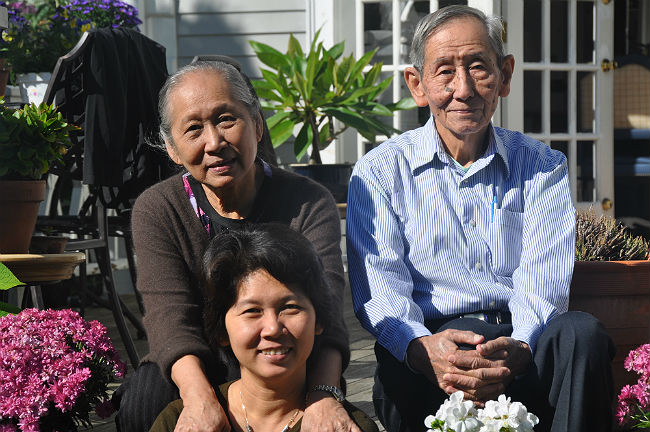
column 41, row 31
column 314, row 88
column 34, row 41
column 31, row 139
column 602, row 238
column 7, row 281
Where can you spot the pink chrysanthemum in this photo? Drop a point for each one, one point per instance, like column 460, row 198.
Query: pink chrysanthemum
column 634, row 400
column 50, row 361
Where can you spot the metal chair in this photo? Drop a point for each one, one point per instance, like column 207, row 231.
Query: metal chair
column 108, row 86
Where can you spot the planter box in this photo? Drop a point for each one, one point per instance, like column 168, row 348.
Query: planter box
column 618, row 294
column 335, row 177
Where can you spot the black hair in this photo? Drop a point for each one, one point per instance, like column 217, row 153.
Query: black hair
column 285, row 254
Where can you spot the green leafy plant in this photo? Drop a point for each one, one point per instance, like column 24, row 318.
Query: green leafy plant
column 31, row 139
column 41, row 31
column 602, row 238
column 314, row 88
column 7, row 281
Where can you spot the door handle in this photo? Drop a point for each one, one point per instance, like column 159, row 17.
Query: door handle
column 607, row 204
column 607, row 65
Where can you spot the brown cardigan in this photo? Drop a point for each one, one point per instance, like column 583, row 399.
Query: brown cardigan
column 170, row 241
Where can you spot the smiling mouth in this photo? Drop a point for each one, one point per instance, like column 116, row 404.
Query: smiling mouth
column 221, row 166
column 275, row 351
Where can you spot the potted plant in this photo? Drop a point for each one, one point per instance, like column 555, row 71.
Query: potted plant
column 611, row 280
column 40, row 32
column 31, row 139
column 633, row 409
column 310, row 90
column 55, row 369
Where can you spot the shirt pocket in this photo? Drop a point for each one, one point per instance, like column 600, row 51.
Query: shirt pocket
column 504, row 239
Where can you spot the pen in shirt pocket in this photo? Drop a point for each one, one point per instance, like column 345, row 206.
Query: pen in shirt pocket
column 492, row 207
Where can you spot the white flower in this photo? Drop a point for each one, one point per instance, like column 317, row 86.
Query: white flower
column 507, row 415
column 454, row 414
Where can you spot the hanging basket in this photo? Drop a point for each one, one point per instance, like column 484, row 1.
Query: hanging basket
column 19, row 204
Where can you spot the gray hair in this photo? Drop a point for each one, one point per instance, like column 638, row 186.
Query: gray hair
column 432, row 22
column 239, row 89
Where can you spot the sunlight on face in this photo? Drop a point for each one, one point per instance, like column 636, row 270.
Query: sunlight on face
column 214, row 136
column 461, row 80
column 271, row 328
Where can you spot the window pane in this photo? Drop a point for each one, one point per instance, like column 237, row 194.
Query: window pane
column 532, row 31
column 533, row 98
column 378, row 31
column 559, row 102
column 585, row 92
column 586, row 190
column 585, row 32
column 559, row 45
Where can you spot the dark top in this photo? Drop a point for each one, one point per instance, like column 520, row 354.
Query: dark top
column 167, row 419
column 170, row 240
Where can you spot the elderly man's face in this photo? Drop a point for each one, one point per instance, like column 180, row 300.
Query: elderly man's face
column 461, row 80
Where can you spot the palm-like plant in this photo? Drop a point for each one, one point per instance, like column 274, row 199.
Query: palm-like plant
column 316, row 87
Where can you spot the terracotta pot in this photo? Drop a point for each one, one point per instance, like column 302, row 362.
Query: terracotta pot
column 19, row 203
column 618, row 294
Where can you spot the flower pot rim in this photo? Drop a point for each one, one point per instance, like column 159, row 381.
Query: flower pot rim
column 628, row 262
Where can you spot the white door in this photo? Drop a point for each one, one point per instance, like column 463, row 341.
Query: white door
column 560, row 93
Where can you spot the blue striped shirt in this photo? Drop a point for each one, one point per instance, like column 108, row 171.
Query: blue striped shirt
column 424, row 243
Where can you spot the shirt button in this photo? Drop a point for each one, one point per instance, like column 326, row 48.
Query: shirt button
column 492, row 304
column 472, row 222
column 478, row 266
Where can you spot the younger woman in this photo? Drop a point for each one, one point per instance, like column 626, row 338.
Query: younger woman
column 267, row 302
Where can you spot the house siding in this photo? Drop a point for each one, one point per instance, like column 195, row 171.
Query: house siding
column 224, row 27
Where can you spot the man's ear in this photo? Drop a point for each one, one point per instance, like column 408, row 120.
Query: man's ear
column 171, row 151
column 414, row 83
column 319, row 329
column 507, row 69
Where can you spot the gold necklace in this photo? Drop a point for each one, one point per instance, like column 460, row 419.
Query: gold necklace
column 248, row 426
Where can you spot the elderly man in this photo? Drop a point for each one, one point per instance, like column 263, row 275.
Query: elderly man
column 460, row 248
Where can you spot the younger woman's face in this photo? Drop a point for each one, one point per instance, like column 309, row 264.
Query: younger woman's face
column 271, row 328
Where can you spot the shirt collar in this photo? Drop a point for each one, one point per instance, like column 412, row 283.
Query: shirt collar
column 429, row 148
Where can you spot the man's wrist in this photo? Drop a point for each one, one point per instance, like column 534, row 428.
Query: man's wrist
column 326, row 390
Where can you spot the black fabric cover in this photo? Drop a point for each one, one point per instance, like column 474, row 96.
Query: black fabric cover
column 126, row 72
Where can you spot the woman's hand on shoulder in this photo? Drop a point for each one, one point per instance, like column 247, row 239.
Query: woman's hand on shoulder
column 203, row 416
column 325, row 414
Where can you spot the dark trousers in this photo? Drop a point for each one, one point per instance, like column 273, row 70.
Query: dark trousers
column 568, row 386
column 142, row 397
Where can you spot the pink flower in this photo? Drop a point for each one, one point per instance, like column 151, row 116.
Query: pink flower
column 635, row 399
column 53, row 361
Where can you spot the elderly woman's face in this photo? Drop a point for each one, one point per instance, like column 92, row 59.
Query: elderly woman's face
column 215, row 137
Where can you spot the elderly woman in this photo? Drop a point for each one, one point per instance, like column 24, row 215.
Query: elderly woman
column 267, row 302
column 211, row 126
